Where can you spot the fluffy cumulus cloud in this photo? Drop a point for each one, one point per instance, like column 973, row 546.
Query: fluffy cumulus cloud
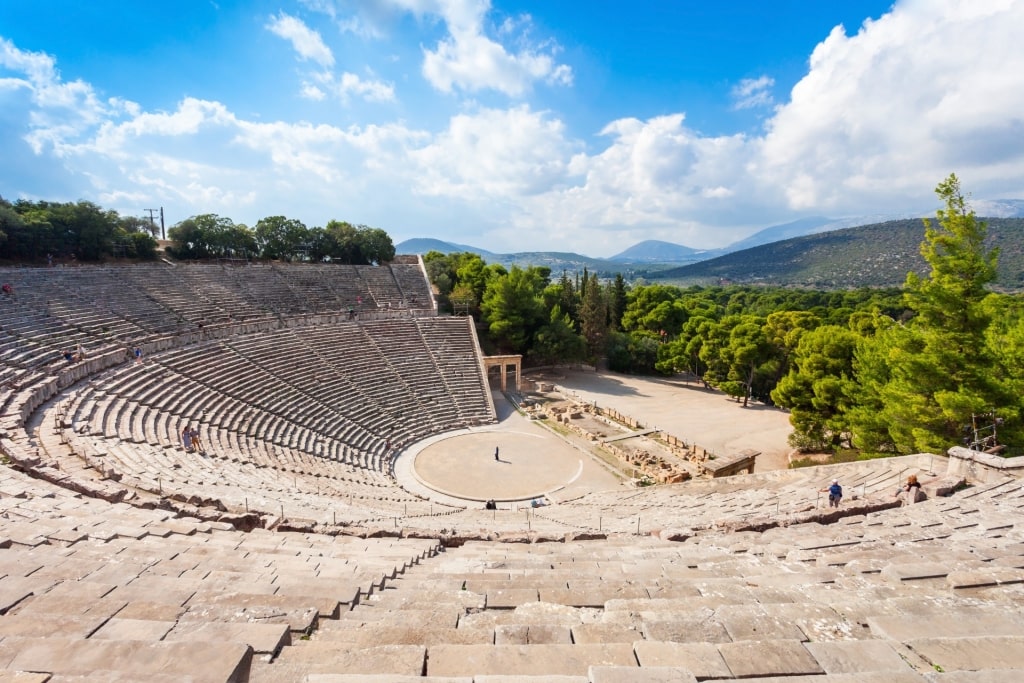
column 655, row 179
column 930, row 88
column 474, row 54
column 880, row 117
column 469, row 60
column 494, row 154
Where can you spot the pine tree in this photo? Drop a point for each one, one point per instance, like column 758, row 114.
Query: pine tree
column 940, row 368
column 617, row 302
column 594, row 316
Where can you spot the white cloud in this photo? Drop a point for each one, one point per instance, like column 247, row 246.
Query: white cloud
column 311, row 47
column 349, row 85
column 471, row 56
column 753, row 92
column 494, row 154
column 311, row 92
column 61, row 110
column 305, row 41
column 469, row 60
column 882, row 116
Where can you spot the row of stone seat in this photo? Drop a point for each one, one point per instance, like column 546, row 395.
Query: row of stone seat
column 711, row 608
column 182, row 385
column 115, row 592
column 129, row 303
column 234, row 476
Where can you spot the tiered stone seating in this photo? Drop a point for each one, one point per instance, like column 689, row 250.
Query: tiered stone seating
column 383, row 287
column 871, row 599
column 123, row 557
column 114, row 592
column 457, row 361
column 409, row 277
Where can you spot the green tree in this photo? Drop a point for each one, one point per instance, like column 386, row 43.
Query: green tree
column 211, row 236
column 557, row 342
column 819, row 388
column 784, row 330
column 375, row 245
column 618, row 299
column 10, row 222
column 940, row 368
column 512, row 310
column 142, row 245
column 631, row 353
column 655, row 308
column 746, row 351
column 278, row 237
column 594, row 318
column 341, row 244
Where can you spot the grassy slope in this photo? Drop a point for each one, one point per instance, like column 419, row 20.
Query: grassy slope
column 865, row 256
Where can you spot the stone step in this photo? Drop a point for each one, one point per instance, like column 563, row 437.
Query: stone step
column 328, row 657
column 525, row 660
column 134, row 659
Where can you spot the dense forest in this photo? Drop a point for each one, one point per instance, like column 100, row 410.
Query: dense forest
column 36, row 231
column 881, row 370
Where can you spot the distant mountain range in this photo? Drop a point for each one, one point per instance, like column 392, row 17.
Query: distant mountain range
column 656, row 251
column 878, row 255
column 655, row 258
column 557, row 261
column 423, row 245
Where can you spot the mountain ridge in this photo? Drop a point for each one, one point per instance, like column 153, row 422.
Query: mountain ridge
column 876, row 255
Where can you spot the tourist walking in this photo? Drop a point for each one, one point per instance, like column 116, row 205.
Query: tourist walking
column 197, row 443
column 835, row 494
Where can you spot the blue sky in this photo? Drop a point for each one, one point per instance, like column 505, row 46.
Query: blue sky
column 513, row 126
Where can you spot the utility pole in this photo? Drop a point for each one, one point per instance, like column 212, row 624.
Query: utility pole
column 152, row 222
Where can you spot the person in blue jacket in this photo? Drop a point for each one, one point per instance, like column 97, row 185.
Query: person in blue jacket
column 835, row 494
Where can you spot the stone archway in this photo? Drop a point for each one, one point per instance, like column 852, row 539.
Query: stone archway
column 502, row 363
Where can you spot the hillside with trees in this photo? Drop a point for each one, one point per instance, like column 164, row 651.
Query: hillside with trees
column 878, row 255
column 878, row 370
